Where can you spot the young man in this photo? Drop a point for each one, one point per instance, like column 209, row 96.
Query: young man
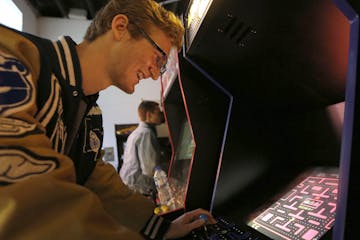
column 142, row 151
column 53, row 184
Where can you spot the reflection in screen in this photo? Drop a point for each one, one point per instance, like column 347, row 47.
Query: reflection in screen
column 181, row 164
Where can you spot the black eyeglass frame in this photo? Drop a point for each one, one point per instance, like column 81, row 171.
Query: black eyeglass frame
column 164, row 57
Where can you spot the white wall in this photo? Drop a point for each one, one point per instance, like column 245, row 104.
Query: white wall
column 117, row 106
column 53, row 28
column 29, row 16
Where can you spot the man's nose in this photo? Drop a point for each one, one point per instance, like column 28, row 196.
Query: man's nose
column 155, row 73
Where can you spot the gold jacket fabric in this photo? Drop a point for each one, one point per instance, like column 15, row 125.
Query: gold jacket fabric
column 45, row 191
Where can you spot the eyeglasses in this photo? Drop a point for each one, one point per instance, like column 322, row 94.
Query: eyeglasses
column 160, row 61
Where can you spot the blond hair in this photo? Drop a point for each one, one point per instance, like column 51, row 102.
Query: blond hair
column 144, row 13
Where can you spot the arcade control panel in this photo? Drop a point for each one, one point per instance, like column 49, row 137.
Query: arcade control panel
column 225, row 230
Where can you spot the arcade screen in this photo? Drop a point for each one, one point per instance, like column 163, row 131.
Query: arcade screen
column 306, row 211
column 186, row 146
column 181, row 164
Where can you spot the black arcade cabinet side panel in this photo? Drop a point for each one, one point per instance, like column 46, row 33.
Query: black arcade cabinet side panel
column 197, row 111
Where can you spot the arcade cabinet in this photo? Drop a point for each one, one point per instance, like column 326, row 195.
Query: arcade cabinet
column 262, row 113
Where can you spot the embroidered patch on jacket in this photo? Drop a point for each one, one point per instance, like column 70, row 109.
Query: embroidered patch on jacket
column 93, row 138
column 94, row 141
column 16, row 87
column 11, row 127
column 18, row 164
column 93, row 133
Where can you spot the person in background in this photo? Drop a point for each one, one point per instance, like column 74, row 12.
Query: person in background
column 142, row 151
column 53, row 182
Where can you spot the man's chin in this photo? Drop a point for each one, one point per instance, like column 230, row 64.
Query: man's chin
column 128, row 90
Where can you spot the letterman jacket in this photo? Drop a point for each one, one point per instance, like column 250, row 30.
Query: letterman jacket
column 53, row 184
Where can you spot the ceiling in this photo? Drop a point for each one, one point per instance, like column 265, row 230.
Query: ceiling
column 86, row 9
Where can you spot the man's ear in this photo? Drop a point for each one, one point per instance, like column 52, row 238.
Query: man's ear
column 119, row 25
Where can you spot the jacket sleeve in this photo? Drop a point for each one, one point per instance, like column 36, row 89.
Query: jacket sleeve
column 130, row 209
column 39, row 198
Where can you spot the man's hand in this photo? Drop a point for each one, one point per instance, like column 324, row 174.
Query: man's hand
column 183, row 225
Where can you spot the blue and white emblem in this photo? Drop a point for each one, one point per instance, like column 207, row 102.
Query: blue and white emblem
column 16, row 87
